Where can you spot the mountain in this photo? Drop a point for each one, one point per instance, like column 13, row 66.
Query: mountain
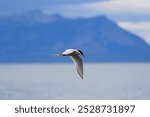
column 34, row 36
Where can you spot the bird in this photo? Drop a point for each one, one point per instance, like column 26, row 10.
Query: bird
column 74, row 54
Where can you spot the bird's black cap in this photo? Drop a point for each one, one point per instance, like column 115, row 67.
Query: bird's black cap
column 81, row 52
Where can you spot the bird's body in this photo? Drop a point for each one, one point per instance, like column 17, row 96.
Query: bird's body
column 74, row 54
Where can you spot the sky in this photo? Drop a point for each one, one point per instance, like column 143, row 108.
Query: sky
column 133, row 15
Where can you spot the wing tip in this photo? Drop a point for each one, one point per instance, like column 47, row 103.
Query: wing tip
column 81, row 76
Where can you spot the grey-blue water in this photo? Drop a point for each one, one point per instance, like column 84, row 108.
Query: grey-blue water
column 61, row 81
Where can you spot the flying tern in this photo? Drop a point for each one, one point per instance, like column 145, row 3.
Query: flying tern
column 74, row 54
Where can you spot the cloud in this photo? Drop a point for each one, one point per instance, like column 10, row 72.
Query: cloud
column 18, row 6
column 135, row 10
column 116, row 9
column 140, row 28
column 143, row 6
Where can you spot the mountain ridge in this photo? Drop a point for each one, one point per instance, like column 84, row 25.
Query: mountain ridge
column 33, row 36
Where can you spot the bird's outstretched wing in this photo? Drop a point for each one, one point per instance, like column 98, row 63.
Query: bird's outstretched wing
column 68, row 52
column 79, row 64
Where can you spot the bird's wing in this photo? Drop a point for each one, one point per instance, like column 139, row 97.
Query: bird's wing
column 68, row 51
column 79, row 64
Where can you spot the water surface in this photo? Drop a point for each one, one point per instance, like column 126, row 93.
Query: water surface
column 61, row 81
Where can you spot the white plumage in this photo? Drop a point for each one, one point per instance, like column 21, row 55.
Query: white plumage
column 74, row 54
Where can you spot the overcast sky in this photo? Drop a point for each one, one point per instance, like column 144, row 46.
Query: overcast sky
column 133, row 15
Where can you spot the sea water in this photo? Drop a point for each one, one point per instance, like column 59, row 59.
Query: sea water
column 61, row 81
